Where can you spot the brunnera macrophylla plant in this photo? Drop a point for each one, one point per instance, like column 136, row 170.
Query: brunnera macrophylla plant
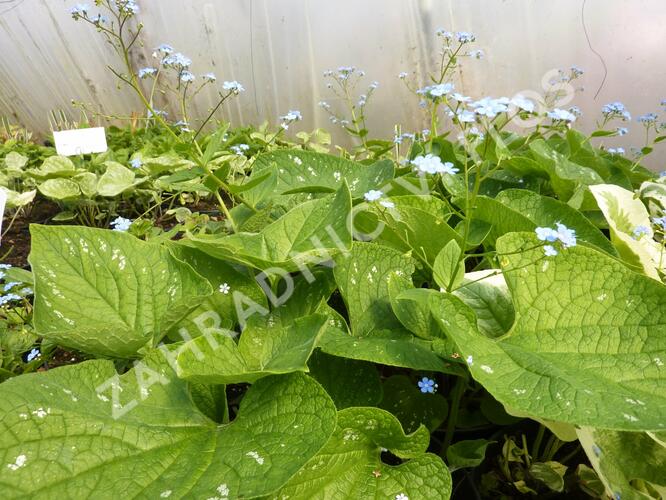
column 363, row 329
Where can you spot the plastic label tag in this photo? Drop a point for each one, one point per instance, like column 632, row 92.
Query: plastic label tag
column 80, row 141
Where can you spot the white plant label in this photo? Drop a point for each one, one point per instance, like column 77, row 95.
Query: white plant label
column 80, row 141
column 3, row 201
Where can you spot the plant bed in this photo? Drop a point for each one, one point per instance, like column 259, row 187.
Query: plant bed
column 473, row 310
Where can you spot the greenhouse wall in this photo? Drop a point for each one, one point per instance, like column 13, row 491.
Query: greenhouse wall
column 279, row 48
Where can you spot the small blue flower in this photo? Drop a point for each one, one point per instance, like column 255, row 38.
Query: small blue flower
column 292, row 116
column 427, row 385
column 465, row 37
column 576, row 71
column 617, row 496
column 177, row 61
column 164, row 48
column 402, row 75
column 136, row 163
column 80, row 9
column 640, row 231
column 128, row 7
column 476, row 54
column 5, row 266
column 4, row 299
column 566, row 236
column 233, row 86
column 647, row 118
column 373, row 195
column 561, row 115
column 616, row 151
column 11, row 284
column 622, row 130
column 121, row 224
column 447, row 35
column 145, row 72
column 187, row 76
column 596, row 450
column 34, row 354
column 239, row 149
column 660, row 221
column 546, row 234
column 209, row 77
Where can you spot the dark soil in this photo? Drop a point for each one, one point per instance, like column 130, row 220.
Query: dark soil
column 16, row 243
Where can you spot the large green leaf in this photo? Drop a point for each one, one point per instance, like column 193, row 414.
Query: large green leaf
column 350, row 465
column 565, row 176
column 415, row 223
column 626, row 461
column 54, row 166
column 521, row 210
column 349, row 382
column 313, row 231
column 487, row 294
column 106, row 292
column 221, row 309
column 363, row 277
column 59, row 432
column 386, row 347
column 262, row 350
column 306, row 170
column 624, row 213
column 115, row 180
column 59, row 189
column 588, row 345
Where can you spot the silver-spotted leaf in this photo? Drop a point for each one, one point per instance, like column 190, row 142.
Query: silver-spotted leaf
column 588, row 346
column 107, row 292
column 350, row 466
column 59, row 437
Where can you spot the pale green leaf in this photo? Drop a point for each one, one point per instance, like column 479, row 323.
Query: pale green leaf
column 54, row 166
column 350, row 466
column 107, row 292
column 59, row 426
column 487, row 294
column 313, row 231
column 221, row 309
column 263, row 350
column 521, row 210
column 588, row 344
column 115, row 180
column 448, row 269
column 15, row 161
column 626, row 461
column 362, row 276
column 59, row 189
column 305, row 169
column 387, row 347
column 624, row 213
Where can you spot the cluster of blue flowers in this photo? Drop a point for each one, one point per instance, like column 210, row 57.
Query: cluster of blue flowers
column 431, row 164
column 12, row 285
column 291, row 117
column 615, row 110
column 562, row 234
column 461, row 36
